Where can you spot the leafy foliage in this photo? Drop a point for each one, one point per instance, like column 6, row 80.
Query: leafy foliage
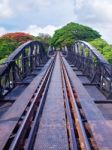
column 7, row 46
column 65, row 36
column 104, row 48
column 20, row 37
column 9, row 42
column 71, row 32
column 45, row 38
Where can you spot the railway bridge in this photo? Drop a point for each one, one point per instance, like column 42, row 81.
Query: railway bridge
column 53, row 100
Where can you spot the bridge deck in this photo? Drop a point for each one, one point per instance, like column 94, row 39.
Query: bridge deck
column 101, row 128
column 60, row 108
column 52, row 132
column 9, row 120
column 14, row 94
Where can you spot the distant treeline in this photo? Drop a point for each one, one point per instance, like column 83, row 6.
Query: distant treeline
column 64, row 36
column 73, row 31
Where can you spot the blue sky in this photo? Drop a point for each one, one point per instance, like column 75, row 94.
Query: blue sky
column 45, row 16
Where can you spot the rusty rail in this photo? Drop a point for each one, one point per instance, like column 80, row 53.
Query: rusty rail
column 31, row 115
column 76, row 117
column 79, row 127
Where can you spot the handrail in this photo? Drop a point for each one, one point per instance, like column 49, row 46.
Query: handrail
column 94, row 50
column 21, row 63
column 92, row 63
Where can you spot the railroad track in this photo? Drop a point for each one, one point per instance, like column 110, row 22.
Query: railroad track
column 25, row 128
column 77, row 131
column 55, row 115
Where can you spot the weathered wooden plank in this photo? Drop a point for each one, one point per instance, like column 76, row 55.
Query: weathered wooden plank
column 4, row 106
column 97, row 95
column 101, row 128
column 12, row 96
column 84, row 79
column 106, row 110
column 78, row 72
column 10, row 118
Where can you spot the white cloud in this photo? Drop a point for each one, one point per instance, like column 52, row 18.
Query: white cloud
column 2, row 31
column 35, row 30
column 96, row 14
column 5, row 9
column 105, row 31
column 94, row 11
column 42, row 12
column 20, row 14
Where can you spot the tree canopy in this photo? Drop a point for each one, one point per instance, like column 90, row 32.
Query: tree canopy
column 104, row 48
column 10, row 41
column 19, row 37
column 64, row 36
column 45, row 38
column 71, row 32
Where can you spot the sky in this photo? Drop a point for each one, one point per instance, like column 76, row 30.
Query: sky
column 46, row 16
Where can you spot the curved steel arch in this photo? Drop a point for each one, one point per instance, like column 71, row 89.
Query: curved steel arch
column 92, row 50
column 20, row 64
column 92, row 63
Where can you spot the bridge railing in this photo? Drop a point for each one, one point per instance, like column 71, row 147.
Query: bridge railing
column 20, row 64
column 51, row 51
column 89, row 60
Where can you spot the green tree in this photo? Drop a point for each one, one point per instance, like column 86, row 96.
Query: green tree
column 10, row 41
column 71, row 32
column 7, row 46
column 45, row 38
column 103, row 47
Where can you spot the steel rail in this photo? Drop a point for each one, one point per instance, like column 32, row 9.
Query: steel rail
column 84, row 144
column 71, row 135
column 34, row 129
column 39, row 95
